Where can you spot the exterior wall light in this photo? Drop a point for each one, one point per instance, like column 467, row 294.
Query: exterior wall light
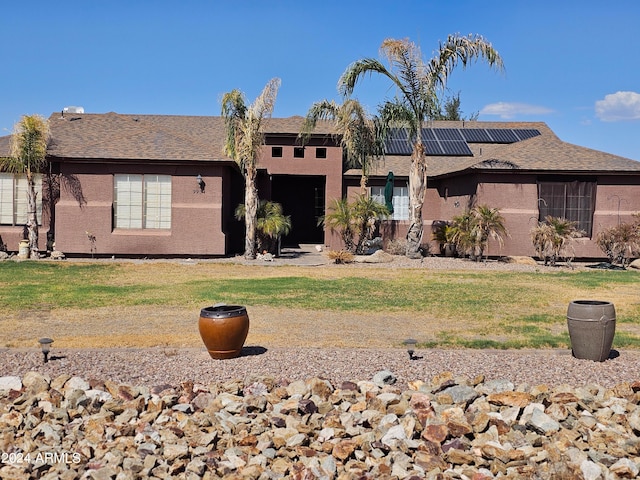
column 201, row 183
column 45, row 344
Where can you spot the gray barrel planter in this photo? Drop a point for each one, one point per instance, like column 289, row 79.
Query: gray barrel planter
column 592, row 326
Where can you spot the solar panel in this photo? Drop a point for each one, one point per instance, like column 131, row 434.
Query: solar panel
column 525, row 133
column 454, row 141
column 397, row 146
column 456, row 148
column 447, row 134
column 432, row 147
column 397, row 133
column 502, row 135
column 427, row 134
column 475, row 135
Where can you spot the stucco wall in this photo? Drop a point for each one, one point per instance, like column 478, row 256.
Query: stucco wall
column 330, row 168
column 86, row 205
column 516, row 196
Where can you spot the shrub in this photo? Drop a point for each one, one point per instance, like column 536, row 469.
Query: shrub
column 396, row 247
column 620, row 243
column 552, row 239
column 340, row 256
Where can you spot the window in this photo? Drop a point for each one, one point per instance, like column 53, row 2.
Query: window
column 298, row 152
column 321, row 152
column 573, row 200
column 13, row 199
column 142, row 201
column 276, row 151
column 400, row 201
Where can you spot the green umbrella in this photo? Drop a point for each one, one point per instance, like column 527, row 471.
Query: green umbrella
column 388, row 193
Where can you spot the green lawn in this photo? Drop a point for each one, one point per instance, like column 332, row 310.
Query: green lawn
column 488, row 309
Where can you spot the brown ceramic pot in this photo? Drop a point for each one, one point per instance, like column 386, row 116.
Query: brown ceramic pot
column 224, row 329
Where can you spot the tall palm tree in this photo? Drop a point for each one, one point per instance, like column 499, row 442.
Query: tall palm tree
column 360, row 134
column 27, row 156
column 245, row 136
column 418, row 84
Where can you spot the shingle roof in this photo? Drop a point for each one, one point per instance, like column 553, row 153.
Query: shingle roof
column 5, row 145
column 545, row 152
column 150, row 137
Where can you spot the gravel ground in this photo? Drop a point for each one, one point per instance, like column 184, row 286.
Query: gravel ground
column 156, row 366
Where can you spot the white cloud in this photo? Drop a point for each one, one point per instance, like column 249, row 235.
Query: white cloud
column 506, row 110
column 619, row 106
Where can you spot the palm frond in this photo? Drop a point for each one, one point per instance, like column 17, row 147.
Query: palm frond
column 234, row 111
column 28, row 147
column 460, row 49
column 322, row 110
column 359, row 69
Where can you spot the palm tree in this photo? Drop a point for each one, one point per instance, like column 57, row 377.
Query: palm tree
column 271, row 224
column 489, row 223
column 461, row 233
column 342, row 219
column 356, row 218
column 245, row 136
column 367, row 212
column 418, row 83
column 360, row 134
column 27, row 156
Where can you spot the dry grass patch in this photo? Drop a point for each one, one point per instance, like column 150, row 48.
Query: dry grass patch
column 354, row 306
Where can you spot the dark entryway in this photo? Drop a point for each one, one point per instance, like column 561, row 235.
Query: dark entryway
column 303, row 198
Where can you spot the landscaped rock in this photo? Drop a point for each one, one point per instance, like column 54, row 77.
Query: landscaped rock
column 519, row 260
column 379, row 256
column 10, row 383
column 443, row 428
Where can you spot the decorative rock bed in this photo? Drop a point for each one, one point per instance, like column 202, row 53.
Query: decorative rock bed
column 459, row 428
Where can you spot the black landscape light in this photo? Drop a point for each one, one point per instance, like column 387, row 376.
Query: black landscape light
column 45, row 344
column 411, row 344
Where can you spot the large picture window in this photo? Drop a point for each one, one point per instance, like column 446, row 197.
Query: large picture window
column 400, row 201
column 142, row 201
column 573, row 200
column 14, row 205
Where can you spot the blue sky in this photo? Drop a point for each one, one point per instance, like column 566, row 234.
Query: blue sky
column 572, row 64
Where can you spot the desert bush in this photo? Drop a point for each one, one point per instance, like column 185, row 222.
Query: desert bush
column 552, row 239
column 340, row 256
column 620, row 243
column 396, row 246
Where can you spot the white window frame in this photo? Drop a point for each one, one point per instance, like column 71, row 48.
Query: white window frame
column 14, row 204
column 400, row 201
column 142, row 201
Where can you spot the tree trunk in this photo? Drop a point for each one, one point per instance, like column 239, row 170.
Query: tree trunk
column 32, row 217
column 417, row 187
column 251, row 214
column 363, row 184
